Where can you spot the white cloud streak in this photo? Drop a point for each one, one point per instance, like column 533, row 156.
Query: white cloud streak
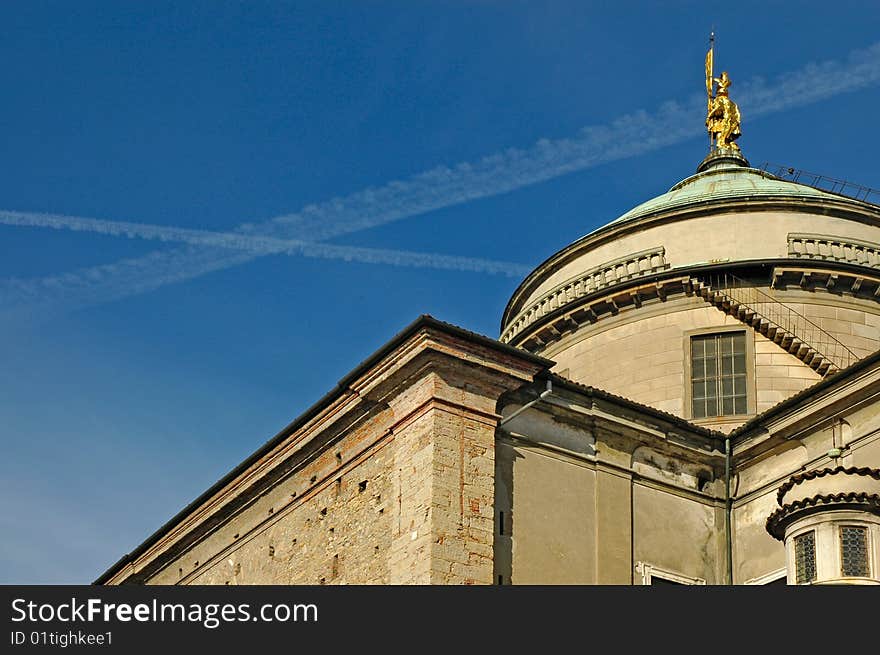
column 261, row 245
column 630, row 135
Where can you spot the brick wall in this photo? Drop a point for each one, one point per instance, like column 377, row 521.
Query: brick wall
column 394, row 483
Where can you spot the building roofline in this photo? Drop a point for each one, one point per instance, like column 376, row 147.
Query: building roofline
column 422, row 322
column 596, row 392
column 794, row 401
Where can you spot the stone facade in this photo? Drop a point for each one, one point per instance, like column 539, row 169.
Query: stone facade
column 388, row 480
column 451, row 458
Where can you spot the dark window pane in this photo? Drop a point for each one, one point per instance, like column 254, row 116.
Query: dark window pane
column 712, row 407
column 718, row 375
column 854, row 551
column 805, row 557
column 727, row 365
column 726, row 344
column 727, row 406
column 712, row 388
column 710, row 348
column 726, row 387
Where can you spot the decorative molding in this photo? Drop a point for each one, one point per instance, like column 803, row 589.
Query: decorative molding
column 819, row 473
column 834, row 248
column 768, row 578
column 648, row 571
column 779, row 520
column 595, row 279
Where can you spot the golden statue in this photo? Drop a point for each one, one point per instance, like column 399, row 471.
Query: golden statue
column 723, row 118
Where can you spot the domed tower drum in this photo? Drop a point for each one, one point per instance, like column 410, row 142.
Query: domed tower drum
column 714, row 301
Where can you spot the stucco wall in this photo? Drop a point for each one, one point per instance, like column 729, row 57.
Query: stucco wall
column 755, row 552
column 677, row 534
column 857, row 432
column 642, row 353
column 549, row 532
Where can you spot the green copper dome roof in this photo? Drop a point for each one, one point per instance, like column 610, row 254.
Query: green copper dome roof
column 724, row 181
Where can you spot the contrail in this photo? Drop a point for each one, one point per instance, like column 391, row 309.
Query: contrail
column 261, row 245
column 628, row 136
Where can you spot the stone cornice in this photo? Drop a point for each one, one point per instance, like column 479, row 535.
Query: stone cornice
column 783, row 517
column 807, row 476
column 565, row 307
column 555, row 320
column 847, row 388
column 843, row 208
column 595, row 279
column 823, row 490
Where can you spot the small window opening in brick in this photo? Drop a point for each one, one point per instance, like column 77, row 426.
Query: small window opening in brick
column 377, row 548
column 293, row 495
column 235, row 536
column 227, row 582
column 294, row 541
column 338, row 456
column 271, row 550
column 197, row 563
column 381, row 510
column 332, row 530
column 322, row 581
column 362, row 486
column 313, row 479
column 501, row 579
column 180, row 572
column 324, row 512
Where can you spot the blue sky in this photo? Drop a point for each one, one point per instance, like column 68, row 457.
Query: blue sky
column 138, row 371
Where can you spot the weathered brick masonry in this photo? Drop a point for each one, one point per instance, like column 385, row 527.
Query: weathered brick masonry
column 389, row 479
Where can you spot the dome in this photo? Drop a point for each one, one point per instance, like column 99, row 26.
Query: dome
column 654, row 273
column 726, row 182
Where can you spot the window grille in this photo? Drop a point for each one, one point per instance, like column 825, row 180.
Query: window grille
column 718, row 375
column 854, row 551
column 805, row 557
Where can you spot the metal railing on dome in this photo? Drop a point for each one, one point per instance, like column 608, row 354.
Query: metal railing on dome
column 823, row 183
column 782, row 317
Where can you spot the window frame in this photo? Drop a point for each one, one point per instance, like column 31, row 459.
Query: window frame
column 839, row 526
column 814, row 533
column 750, row 374
column 770, row 578
column 649, row 571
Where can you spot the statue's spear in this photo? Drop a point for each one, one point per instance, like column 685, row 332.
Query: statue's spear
column 710, row 55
